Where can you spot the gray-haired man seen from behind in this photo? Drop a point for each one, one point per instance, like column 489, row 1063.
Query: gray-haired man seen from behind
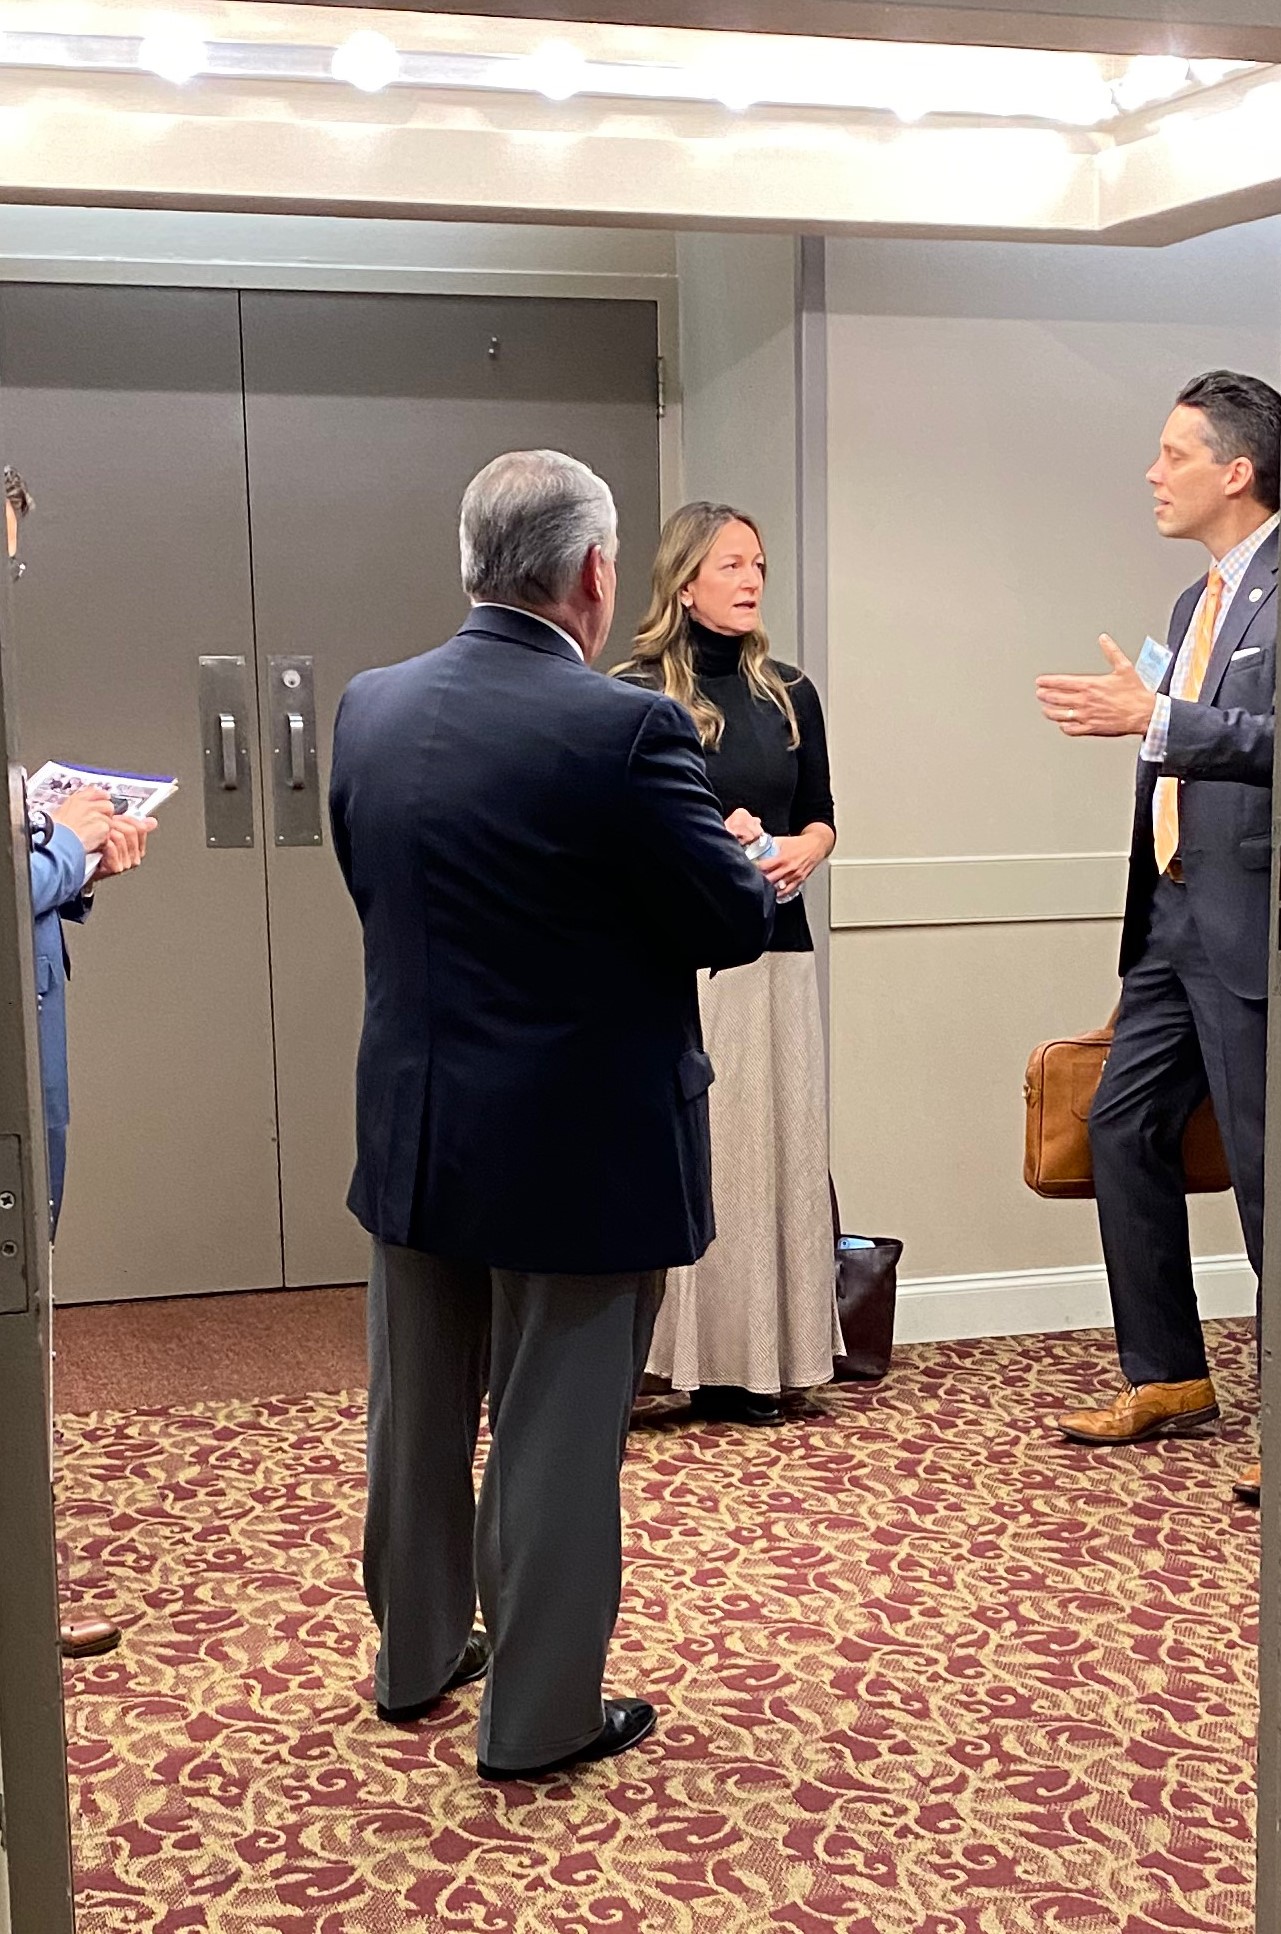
column 540, row 867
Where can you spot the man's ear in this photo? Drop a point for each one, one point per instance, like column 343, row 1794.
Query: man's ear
column 593, row 574
column 1240, row 479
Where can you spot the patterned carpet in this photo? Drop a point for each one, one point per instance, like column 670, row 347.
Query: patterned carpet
column 922, row 1668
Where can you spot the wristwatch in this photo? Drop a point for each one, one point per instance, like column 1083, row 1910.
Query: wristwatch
column 41, row 827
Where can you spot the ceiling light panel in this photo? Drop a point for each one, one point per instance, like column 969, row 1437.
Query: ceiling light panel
column 908, row 82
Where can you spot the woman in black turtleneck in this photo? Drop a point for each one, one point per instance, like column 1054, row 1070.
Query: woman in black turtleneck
column 757, row 1315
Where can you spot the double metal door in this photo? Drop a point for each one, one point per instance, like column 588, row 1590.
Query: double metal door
column 241, row 500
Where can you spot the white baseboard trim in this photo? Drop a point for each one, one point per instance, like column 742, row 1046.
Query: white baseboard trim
column 1030, row 1302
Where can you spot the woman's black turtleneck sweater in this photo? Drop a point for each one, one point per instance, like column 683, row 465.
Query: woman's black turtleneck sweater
column 755, row 765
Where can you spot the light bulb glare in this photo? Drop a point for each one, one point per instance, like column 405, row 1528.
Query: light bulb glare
column 367, row 60
column 557, row 70
column 1262, row 105
column 1149, row 78
column 174, row 54
column 736, row 93
column 1208, row 73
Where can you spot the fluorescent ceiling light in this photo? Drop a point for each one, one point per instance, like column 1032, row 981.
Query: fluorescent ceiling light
column 368, row 61
column 174, row 52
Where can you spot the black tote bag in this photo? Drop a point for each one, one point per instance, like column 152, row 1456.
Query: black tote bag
column 866, row 1293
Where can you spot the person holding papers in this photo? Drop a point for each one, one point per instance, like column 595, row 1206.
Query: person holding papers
column 79, row 834
column 85, row 834
column 63, row 843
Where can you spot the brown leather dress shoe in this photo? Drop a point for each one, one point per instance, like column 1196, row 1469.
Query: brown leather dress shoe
column 1145, row 1410
column 85, row 1638
column 1248, row 1485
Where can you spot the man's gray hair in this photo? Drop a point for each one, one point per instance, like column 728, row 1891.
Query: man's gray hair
column 528, row 521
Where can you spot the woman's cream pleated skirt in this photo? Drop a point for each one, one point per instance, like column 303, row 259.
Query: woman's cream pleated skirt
column 759, row 1310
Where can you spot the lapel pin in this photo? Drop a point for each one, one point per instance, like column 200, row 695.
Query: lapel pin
column 1255, row 596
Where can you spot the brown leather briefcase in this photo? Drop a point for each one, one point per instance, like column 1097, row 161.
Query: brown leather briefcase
column 1059, row 1089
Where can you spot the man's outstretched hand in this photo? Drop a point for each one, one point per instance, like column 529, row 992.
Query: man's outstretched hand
column 1112, row 705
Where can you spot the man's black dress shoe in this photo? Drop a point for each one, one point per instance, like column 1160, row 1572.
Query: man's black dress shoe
column 627, row 1722
column 728, row 1403
column 473, row 1665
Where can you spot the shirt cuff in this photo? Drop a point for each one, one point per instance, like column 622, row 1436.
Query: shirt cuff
column 1157, row 742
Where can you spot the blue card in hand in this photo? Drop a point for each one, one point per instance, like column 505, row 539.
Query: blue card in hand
column 1152, row 663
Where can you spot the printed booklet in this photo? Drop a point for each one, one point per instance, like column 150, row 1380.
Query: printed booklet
column 135, row 794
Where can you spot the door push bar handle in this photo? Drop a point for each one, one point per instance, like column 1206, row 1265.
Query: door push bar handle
column 297, row 752
column 227, row 739
column 225, row 700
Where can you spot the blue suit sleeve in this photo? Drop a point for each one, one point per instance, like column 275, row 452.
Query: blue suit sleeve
column 58, row 876
column 1206, row 742
column 699, row 897
column 338, row 799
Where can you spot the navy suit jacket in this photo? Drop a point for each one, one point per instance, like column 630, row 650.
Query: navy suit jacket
column 540, row 866
column 57, row 889
column 1220, row 747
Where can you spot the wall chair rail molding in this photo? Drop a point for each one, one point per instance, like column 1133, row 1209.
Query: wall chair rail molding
column 983, row 890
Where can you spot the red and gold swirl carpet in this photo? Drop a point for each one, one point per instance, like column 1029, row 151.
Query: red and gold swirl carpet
column 922, row 1668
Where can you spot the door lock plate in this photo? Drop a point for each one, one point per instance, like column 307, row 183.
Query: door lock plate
column 14, row 1291
column 295, row 768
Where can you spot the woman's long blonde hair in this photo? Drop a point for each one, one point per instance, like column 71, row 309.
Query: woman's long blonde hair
column 663, row 647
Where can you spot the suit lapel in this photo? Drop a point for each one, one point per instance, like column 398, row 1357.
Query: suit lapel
column 1261, row 577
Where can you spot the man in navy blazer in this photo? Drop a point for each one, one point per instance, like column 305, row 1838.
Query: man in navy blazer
column 1194, row 948
column 539, row 866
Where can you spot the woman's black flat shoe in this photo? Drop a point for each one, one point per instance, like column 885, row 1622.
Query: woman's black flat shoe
column 727, row 1403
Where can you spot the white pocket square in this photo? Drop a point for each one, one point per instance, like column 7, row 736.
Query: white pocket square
column 1247, row 651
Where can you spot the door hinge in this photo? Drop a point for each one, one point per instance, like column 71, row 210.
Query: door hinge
column 660, row 386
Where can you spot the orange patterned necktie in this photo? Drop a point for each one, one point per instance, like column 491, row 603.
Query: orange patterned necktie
column 1167, row 790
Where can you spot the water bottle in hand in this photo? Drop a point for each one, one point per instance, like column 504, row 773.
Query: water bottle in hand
column 764, row 848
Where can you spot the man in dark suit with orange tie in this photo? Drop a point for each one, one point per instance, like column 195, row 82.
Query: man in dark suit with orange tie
column 1194, row 949
column 540, row 866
